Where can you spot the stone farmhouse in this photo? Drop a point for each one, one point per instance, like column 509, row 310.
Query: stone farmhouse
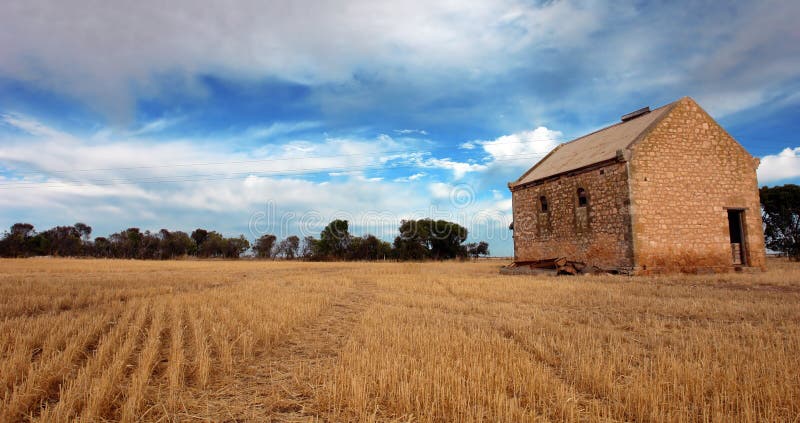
column 664, row 190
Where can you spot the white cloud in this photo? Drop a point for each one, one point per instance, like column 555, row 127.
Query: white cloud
column 410, row 178
column 504, row 205
column 459, row 169
column 509, row 152
column 351, row 173
column 440, row 190
column 522, row 148
column 38, row 192
column 512, row 153
column 113, row 158
column 781, row 166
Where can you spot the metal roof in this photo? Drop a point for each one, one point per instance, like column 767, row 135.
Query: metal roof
column 593, row 148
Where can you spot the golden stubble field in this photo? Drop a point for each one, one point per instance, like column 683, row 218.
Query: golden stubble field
column 96, row 340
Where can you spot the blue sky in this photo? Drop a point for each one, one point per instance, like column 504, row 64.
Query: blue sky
column 251, row 117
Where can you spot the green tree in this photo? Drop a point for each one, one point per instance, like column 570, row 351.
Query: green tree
column 781, row 213
column 174, row 244
column 428, row 238
column 446, row 239
column 235, row 247
column 478, row 249
column 411, row 244
column 369, row 247
column 334, row 240
column 22, row 229
column 19, row 241
column 84, row 230
column 212, row 245
column 133, row 242
column 62, row 241
column 288, row 248
column 102, row 247
column 150, row 247
column 199, row 236
column 310, row 247
column 264, row 245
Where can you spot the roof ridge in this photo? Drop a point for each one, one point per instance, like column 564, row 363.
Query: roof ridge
column 618, row 123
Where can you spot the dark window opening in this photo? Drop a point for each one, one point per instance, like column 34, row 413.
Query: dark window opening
column 582, row 199
column 543, row 203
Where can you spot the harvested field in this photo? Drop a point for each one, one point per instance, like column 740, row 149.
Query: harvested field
column 98, row 340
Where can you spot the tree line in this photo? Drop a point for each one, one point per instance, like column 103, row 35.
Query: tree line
column 417, row 240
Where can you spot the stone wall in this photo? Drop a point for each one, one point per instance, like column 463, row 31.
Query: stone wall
column 597, row 234
column 684, row 175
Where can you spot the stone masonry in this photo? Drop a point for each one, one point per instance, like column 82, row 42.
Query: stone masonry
column 604, row 239
column 660, row 205
column 684, row 176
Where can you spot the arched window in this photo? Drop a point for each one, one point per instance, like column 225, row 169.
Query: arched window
column 582, row 199
column 543, row 203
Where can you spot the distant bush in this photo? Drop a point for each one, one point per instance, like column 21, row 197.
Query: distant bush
column 781, row 213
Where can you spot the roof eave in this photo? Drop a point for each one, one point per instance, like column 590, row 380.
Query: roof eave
column 571, row 172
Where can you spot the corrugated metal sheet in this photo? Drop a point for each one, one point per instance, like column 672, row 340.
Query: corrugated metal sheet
column 593, row 148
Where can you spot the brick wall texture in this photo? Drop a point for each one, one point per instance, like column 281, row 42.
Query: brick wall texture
column 662, row 209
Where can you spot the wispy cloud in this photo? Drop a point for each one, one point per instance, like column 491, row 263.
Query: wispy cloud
column 31, row 126
column 280, row 129
column 459, row 169
column 155, row 126
column 131, row 158
column 411, row 131
column 411, row 178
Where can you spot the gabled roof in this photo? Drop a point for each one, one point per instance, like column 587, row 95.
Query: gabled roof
column 593, row 148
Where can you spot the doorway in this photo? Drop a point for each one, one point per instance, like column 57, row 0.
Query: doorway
column 736, row 230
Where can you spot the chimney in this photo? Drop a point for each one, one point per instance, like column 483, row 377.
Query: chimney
column 635, row 114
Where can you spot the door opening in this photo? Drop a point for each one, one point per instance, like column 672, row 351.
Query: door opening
column 736, row 230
